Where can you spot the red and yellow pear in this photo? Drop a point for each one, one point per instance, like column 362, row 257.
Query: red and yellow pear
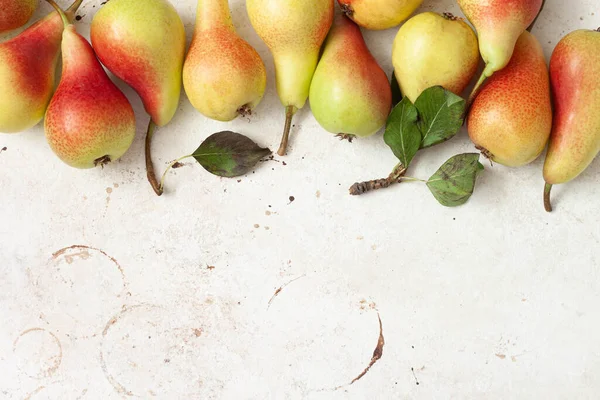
column 575, row 79
column 379, row 14
column 89, row 121
column 434, row 50
column 143, row 43
column 294, row 31
column 223, row 75
column 511, row 118
column 350, row 94
column 499, row 24
column 27, row 72
column 15, row 13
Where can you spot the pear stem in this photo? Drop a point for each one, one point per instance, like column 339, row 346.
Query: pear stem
column 70, row 13
column 476, row 90
column 289, row 114
column 64, row 18
column 162, row 179
column 537, row 16
column 395, row 177
column 149, row 166
column 547, row 203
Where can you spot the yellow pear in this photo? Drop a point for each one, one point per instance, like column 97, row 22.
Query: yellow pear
column 379, row 14
column 434, row 50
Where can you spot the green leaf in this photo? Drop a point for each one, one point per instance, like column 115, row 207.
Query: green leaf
column 229, row 154
column 453, row 184
column 441, row 115
column 396, row 92
column 402, row 132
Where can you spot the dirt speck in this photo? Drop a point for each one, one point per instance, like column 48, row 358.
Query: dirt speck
column 210, row 267
column 500, row 356
column 292, row 198
column 197, row 332
column 267, row 213
column 109, row 190
column 318, row 194
column 267, row 228
column 360, row 237
column 116, row 185
column 257, row 226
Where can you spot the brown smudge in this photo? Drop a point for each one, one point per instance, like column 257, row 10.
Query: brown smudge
column 318, row 194
column 82, row 247
column 500, row 356
column 84, row 255
column 281, row 288
column 197, row 332
column 57, row 359
column 109, row 190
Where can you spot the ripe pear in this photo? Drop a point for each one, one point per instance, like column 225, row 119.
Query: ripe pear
column 294, row 31
column 499, row 24
column 223, row 75
column 575, row 79
column 143, row 43
column 27, row 72
column 89, row 121
column 379, row 14
column 434, row 50
column 511, row 119
column 350, row 94
column 15, row 13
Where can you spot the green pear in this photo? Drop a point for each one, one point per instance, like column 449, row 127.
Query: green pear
column 434, row 50
column 294, row 31
column 350, row 94
column 223, row 75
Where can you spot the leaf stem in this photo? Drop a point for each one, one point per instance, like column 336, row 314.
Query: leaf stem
column 289, row 114
column 411, row 179
column 149, row 166
column 547, row 203
column 161, row 186
column 368, row 186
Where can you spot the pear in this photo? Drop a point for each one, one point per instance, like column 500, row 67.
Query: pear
column 223, row 75
column 575, row 79
column 89, row 121
column 294, row 30
column 143, row 43
column 499, row 24
column 511, row 119
column 350, row 94
column 27, row 72
column 434, row 50
column 15, row 13
column 379, row 14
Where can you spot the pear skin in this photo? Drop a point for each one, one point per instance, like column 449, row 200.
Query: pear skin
column 294, row 31
column 27, row 72
column 15, row 13
column 148, row 60
column 575, row 80
column 89, row 121
column 379, row 14
column 511, row 118
column 223, row 75
column 499, row 24
column 434, row 50
column 350, row 94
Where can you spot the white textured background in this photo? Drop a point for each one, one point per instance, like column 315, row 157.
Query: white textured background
column 495, row 299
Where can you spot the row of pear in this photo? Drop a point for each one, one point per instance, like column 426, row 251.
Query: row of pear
column 317, row 54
